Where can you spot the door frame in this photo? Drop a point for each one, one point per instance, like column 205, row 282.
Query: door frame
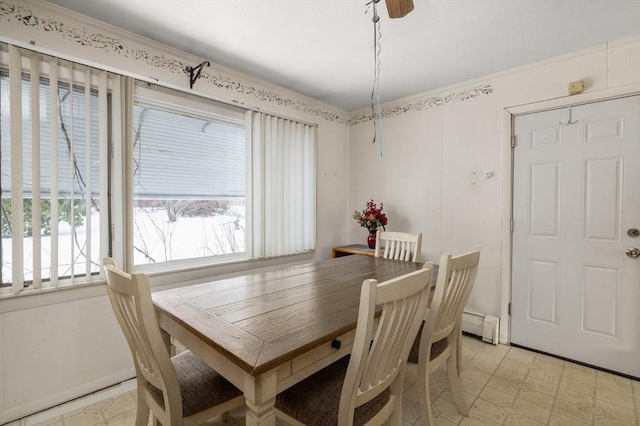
column 508, row 115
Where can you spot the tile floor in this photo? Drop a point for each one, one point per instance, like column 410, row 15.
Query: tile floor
column 502, row 385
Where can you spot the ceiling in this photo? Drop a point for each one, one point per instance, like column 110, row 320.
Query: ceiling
column 324, row 48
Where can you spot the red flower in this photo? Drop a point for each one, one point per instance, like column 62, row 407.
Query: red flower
column 371, row 217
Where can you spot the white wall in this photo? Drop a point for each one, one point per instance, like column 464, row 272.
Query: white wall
column 66, row 343
column 58, row 351
column 431, row 175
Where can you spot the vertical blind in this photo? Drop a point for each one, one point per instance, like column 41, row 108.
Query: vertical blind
column 285, row 171
column 54, row 163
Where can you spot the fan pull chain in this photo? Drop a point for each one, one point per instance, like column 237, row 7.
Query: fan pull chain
column 378, row 49
column 376, row 110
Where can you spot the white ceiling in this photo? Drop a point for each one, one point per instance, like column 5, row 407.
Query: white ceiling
column 324, row 48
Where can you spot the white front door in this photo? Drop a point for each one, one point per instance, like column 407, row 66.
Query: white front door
column 576, row 204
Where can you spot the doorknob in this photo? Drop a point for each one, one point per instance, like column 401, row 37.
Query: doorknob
column 633, row 252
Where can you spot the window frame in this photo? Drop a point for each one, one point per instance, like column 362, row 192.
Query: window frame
column 178, row 102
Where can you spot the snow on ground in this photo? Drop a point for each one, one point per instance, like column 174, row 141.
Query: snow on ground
column 155, row 239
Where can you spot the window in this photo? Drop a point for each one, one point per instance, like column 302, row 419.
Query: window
column 201, row 182
column 53, row 149
column 213, row 182
column 189, row 179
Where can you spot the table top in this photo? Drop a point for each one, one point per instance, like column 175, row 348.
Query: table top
column 263, row 319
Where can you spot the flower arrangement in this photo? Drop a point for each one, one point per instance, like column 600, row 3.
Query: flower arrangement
column 371, row 217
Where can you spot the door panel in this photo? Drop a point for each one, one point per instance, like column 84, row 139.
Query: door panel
column 600, row 300
column 544, row 202
column 543, row 290
column 576, row 188
column 603, row 201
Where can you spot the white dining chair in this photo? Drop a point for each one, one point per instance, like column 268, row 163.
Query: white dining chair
column 398, row 245
column 439, row 338
column 179, row 390
column 365, row 388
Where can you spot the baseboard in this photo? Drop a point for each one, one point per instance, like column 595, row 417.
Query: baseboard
column 83, row 401
column 481, row 325
column 70, row 396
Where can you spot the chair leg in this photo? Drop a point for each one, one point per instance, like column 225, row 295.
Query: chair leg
column 396, row 417
column 454, row 382
column 459, row 346
column 142, row 409
column 425, row 401
column 142, row 415
column 396, row 394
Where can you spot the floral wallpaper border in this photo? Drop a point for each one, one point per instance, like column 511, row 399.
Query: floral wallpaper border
column 114, row 45
column 427, row 103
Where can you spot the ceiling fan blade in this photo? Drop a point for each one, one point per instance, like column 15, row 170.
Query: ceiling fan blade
column 399, row 8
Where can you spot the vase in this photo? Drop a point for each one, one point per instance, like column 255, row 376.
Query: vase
column 371, row 239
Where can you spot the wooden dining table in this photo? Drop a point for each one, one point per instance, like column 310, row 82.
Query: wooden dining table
column 266, row 331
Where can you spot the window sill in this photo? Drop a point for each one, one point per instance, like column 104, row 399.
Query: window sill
column 29, row 299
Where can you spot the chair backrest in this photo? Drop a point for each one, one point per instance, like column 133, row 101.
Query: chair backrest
column 456, row 276
column 131, row 302
column 379, row 356
column 399, row 245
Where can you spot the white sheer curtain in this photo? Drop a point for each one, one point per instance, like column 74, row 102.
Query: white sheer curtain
column 284, row 186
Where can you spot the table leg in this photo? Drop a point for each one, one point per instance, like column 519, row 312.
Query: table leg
column 166, row 339
column 260, row 397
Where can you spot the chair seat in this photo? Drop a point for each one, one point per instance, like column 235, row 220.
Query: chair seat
column 315, row 400
column 436, row 347
column 201, row 387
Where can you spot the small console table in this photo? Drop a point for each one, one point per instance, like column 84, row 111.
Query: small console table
column 350, row 249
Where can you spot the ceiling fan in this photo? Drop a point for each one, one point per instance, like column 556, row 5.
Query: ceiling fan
column 399, row 8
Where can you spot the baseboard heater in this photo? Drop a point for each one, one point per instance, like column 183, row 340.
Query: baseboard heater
column 484, row 326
